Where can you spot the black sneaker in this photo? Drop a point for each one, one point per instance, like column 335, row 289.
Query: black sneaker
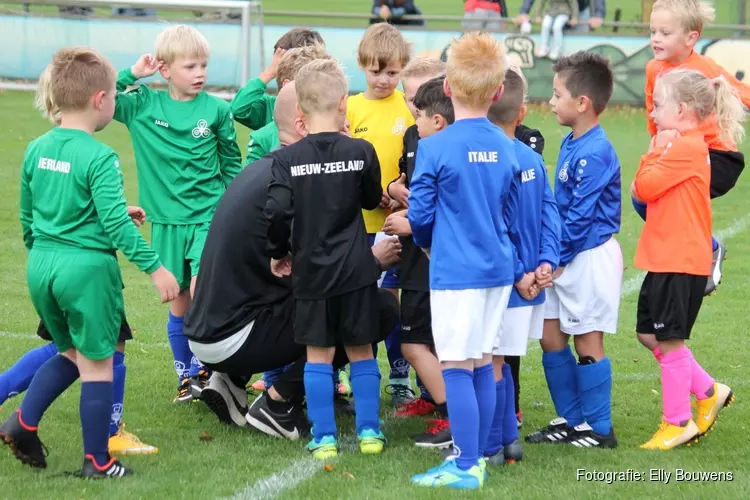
column 717, row 268
column 184, row 392
column 198, row 383
column 24, row 443
column 278, row 418
column 555, row 433
column 513, row 452
column 400, row 394
column 437, row 435
column 111, row 469
column 225, row 399
column 583, row 436
column 342, row 405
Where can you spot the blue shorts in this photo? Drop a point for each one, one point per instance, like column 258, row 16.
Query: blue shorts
column 389, row 277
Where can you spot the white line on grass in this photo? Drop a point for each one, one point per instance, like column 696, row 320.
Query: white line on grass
column 273, row 485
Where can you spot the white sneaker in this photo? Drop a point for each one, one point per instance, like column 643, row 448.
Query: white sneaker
column 554, row 54
column 542, row 51
column 225, row 399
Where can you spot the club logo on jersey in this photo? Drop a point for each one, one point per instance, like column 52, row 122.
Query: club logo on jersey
column 201, row 130
column 583, row 163
column 563, row 174
column 399, row 127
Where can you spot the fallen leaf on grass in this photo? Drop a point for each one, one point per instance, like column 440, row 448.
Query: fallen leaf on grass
column 328, row 467
column 655, row 391
column 349, row 475
column 635, row 361
column 205, row 436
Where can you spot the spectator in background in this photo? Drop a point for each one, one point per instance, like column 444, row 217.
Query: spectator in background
column 391, row 11
column 557, row 14
column 588, row 17
column 484, row 15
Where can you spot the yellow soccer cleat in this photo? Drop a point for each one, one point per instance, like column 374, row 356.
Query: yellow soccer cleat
column 325, row 449
column 371, row 442
column 125, row 443
column 670, row 436
column 709, row 408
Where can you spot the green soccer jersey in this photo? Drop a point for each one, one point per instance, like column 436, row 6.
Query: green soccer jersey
column 72, row 196
column 252, row 107
column 262, row 142
column 186, row 151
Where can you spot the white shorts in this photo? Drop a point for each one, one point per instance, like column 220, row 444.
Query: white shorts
column 586, row 297
column 465, row 323
column 519, row 325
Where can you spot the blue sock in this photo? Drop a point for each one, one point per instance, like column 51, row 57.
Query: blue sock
column 714, row 243
column 423, row 392
column 17, row 378
column 271, row 376
column 319, row 393
column 463, row 413
column 560, row 372
column 640, row 208
column 195, row 365
column 595, row 388
column 118, row 392
column 180, row 347
column 50, row 380
column 510, row 423
column 484, row 387
column 96, row 409
column 495, row 441
column 365, row 378
column 399, row 365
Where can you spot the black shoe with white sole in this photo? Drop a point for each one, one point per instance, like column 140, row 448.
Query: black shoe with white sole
column 583, row 436
column 555, row 433
column 227, row 400
column 110, row 470
column 198, row 383
column 278, row 418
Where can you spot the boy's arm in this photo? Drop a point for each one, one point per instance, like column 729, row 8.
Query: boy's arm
column 549, row 249
column 573, row 9
column 664, row 168
column 105, row 179
column 401, row 167
column 230, row 158
column 27, row 214
column 251, row 105
column 279, row 211
column 532, row 137
column 127, row 104
column 599, row 9
column 371, row 190
column 511, row 214
column 651, row 72
column 422, row 198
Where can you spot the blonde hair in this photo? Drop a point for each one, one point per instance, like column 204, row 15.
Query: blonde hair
column 423, row 67
column 178, row 41
column 381, row 45
column 291, row 62
column 69, row 81
column 320, row 86
column 476, row 68
column 707, row 97
column 693, row 14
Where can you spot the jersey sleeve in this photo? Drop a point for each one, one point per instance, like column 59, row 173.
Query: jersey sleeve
column 422, row 197
column 250, row 105
column 105, row 179
column 279, row 210
column 511, row 213
column 127, row 104
column 651, row 72
column 549, row 248
column 27, row 214
column 230, row 158
column 371, row 189
column 664, row 168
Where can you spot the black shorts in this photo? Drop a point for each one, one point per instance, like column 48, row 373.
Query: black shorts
column 669, row 303
column 350, row 319
column 726, row 167
column 416, row 318
column 125, row 332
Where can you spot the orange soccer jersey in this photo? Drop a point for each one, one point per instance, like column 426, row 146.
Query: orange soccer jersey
column 674, row 183
column 710, row 69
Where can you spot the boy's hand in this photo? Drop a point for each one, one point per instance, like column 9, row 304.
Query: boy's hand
column 385, row 201
column 385, row 12
column 527, row 286
column 521, row 19
column 399, row 192
column 138, row 215
column 166, row 284
column 573, row 22
column 146, row 66
column 596, row 22
column 397, row 224
column 664, row 137
column 388, row 252
column 270, row 72
column 543, row 275
column 282, row 267
column 558, row 272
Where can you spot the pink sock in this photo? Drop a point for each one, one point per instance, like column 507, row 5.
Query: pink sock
column 701, row 381
column 657, row 354
column 675, row 385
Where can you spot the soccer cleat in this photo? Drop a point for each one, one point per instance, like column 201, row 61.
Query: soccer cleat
column 449, row 475
column 225, row 399
column 717, row 268
column 583, row 436
column 437, row 435
column 371, row 441
column 513, row 452
column 519, row 419
column 198, row 383
column 258, row 386
column 111, row 469
column 342, row 405
column 184, row 392
column 23, row 441
column 416, row 408
column 709, row 408
column 286, row 421
column 344, row 386
column 125, row 443
column 555, row 433
column 325, row 449
column 670, row 436
column 400, row 394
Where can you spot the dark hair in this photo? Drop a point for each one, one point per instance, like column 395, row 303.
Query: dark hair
column 587, row 74
column 431, row 99
column 506, row 109
column 298, row 37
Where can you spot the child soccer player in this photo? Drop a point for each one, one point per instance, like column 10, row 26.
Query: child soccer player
column 323, row 183
column 536, row 233
column 676, row 26
column 380, row 116
column 74, row 217
column 464, row 181
column 186, row 150
column 673, row 180
column 585, row 297
column 434, row 112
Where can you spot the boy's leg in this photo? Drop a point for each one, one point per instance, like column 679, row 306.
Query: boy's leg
column 557, row 34
column 17, row 378
column 196, row 240
column 545, row 33
column 514, row 365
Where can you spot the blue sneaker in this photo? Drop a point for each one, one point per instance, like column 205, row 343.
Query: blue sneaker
column 371, row 442
column 324, row 449
column 449, row 475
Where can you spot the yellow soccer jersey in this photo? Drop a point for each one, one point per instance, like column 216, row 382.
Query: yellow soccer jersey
column 382, row 123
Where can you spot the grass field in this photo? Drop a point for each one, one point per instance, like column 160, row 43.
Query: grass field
column 239, row 463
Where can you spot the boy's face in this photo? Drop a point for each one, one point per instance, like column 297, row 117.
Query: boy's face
column 187, row 74
column 104, row 103
column 383, row 82
column 411, row 85
column 666, row 113
column 427, row 125
column 564, row 105
column 669, row 40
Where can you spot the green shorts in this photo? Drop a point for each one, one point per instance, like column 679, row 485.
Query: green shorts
column 180, row 248
column 78, row 295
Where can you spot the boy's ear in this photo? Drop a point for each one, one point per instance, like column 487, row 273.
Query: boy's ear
column 498, row 94
column 693, row 38
column 584, row 103
column 522, row 114
column 164, row 71
column 98, row 98
column 439, row 122
column 342, row 105
column 446, row 87
column 287, row 80
column 300, row 114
